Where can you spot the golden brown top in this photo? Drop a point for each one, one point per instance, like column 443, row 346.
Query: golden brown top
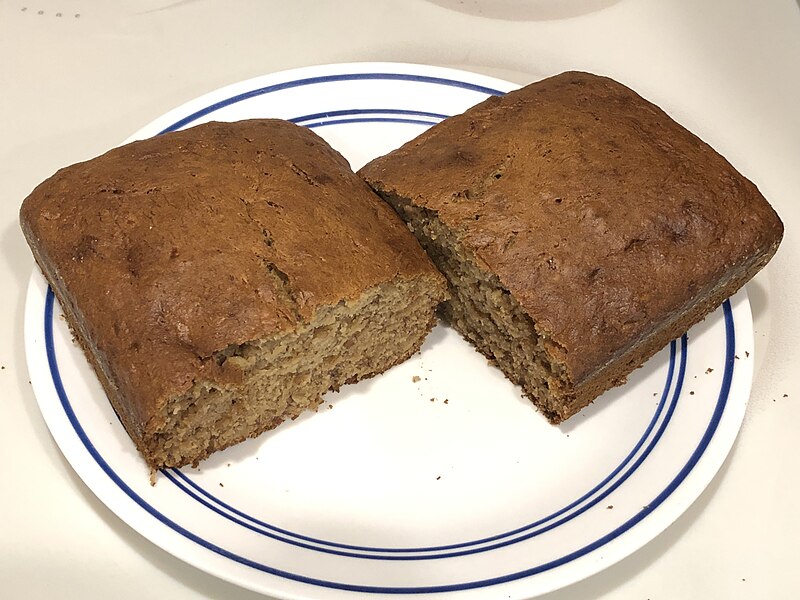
column 598, row 212
column 174, row 247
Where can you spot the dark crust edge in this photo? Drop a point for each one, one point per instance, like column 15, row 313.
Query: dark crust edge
column 127, row 418
column 614, row 374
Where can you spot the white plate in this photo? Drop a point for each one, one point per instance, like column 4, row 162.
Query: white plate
column 452, row 485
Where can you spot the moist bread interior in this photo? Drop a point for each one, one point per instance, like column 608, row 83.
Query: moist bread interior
column 286, row 375
column 487, row 315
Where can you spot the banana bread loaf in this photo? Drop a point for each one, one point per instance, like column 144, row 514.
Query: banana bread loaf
column 222, row 278
column 580, row 229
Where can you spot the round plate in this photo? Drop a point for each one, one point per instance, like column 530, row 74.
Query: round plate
column 436, row 478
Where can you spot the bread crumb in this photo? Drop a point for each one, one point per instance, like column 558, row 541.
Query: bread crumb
column 736, row 356
column 438, row 478
column 610, row 506
column 691, row 393
column 415, row 378
column 709, row 370
column 433, row 399
column 746, row 354
column 786, row 395
column 330, row 406
column 446, row 400
column 220, row 484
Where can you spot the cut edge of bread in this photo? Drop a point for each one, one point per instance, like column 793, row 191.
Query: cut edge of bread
column 487, row 315
column 285, row 375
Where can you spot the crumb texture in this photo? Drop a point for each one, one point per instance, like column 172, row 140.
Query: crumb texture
column 285, row 375
column 487, row 315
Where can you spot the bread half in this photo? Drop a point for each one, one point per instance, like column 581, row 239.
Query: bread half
column 580, row 229
column 221, row 279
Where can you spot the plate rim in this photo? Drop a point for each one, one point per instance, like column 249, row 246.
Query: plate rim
column 716, row 458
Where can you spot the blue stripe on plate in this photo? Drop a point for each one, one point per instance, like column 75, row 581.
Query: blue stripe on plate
column 657, row 501
column 367, row 111
column 328, row 79
column 539, row 527
column 371, row 120
column 533, row 529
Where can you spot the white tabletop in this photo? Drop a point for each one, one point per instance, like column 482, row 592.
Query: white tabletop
column 76, row 78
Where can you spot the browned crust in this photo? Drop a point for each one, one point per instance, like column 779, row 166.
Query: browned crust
column 614, row 373
column 128, row 420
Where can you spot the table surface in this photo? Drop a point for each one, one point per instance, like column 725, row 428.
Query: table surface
column 78, row 77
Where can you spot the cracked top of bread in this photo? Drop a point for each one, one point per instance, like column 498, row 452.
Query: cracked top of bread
column 172, row 248
column 599, row 213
